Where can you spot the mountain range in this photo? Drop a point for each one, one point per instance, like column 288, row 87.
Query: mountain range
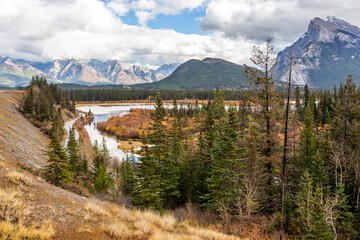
column 18, row 72
column 324, row 56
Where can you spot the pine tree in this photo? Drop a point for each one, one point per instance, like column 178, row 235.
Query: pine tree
column 307, row 141
column 306, row 96
column 74, row 154
column 102, row 181
column 305, row 199
column 56, row 171
column 298, row 106
column 44, row 107
column 29, row 107
column 345, row 219
column 226, row 169
column 204, row 162
column 147, row 190
column 268, row 99
column 127, row 176
column 57, row 130
column 164, row 182
column 318, row 228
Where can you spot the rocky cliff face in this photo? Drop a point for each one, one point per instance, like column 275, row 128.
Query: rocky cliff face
column 324, row 55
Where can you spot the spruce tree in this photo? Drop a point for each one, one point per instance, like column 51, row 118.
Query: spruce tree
column 74, row 154
column 56, row 171
column 307, row 141
column 102, row 181
column 157, row 162
column 298, row 106
column 318, row 228
column 226, row 169
column 127, row 176
column 29, row 107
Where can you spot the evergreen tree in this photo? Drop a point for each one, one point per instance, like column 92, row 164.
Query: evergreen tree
column 164, row 181
column 307, row 141
column 305, row 198
column 127, row 176
column 74, row 154
column 44, row 107
column 226, row 169
column 268, row 99
column 306, row 96
column 29, row 107
column 56, row 170
column 318, row 228
column 57, row 130
column 102, row 181
column 298, row 106
column 148, row 186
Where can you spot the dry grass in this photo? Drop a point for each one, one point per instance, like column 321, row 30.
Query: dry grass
column 18, row 178
column 19, row 232
column 11, row 207
column 96, row 208
column 119, row 230
column 14, row 213
column 72, row 212
column 135, row 224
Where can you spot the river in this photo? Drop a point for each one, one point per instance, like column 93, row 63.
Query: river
column 101, row 114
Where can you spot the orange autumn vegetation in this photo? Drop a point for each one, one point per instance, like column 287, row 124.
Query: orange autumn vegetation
column 129, row 126
column 137, row 123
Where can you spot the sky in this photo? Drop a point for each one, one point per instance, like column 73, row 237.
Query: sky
column 156, row 32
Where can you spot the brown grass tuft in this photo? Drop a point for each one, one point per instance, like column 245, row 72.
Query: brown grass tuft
column 11, row 207
column 19, row 232
column 96, row 208
column 18, row 178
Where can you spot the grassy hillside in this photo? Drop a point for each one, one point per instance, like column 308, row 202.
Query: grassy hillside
column 206, row 75
column 30, row 208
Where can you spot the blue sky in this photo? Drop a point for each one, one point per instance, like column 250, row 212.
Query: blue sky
column 155, row 32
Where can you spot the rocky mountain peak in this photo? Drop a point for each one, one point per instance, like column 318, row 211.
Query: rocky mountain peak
column 324, row 55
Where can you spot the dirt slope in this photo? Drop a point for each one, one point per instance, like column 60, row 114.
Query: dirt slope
column 30, row 208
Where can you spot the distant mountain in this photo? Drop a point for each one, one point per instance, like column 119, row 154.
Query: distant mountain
column 122, row 73
column 14, row 72
column 325, row 55
column 204, row 74
column 17, row 72
column 74, row 71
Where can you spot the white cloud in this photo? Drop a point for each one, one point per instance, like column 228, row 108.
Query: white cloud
column 49, row 29
column 89, row 29
column 149, row 9
column 283, row 19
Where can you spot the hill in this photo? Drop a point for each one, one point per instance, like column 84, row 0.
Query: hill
column 324, row 56
column 30, row 208
column 204, row 74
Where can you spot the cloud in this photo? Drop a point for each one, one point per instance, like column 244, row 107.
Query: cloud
column 89, row 29
column 286, row 20
column 50, row 29
column 149, row 9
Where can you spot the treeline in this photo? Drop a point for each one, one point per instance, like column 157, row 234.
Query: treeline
column 119, row 95
column 42, row 100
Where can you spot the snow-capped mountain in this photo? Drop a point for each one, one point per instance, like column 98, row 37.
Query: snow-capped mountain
column 121, row 73
column 325, row 55
column 17, row 72
column 14, row 72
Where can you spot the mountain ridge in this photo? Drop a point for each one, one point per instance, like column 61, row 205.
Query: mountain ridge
column 206, row 74
column 18, row 72
column 324, row 55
